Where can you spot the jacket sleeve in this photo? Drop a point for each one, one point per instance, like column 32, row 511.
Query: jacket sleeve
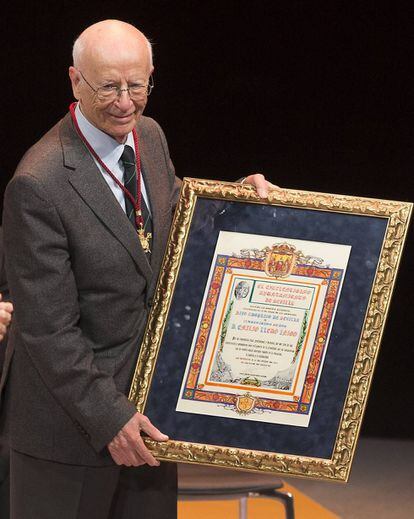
column 47, row 314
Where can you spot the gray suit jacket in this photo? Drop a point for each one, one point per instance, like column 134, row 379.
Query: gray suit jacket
column 81, row 287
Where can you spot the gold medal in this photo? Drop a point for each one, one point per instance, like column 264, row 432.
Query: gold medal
column 144, row 238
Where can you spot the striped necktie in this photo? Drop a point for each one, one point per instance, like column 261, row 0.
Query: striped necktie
column 130, row 183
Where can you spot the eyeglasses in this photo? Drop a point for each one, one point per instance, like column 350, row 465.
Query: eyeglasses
column 113, row 92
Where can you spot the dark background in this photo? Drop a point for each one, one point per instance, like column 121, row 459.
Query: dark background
column 317, row 95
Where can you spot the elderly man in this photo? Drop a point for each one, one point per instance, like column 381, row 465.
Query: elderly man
column 91, row 205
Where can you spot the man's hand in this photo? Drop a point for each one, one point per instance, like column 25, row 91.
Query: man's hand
column 128, row 448
column 6, row 310
column 260, row 183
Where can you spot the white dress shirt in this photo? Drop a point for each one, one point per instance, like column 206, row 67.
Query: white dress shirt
column 109, row 151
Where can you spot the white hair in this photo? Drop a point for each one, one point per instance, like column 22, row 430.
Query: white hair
column 77, row 51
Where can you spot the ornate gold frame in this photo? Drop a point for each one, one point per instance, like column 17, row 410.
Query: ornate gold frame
column 338, row 467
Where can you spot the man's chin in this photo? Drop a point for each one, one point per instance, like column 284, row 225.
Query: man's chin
column 120, row 131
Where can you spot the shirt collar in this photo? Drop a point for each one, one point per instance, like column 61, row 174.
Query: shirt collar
column 105, row 146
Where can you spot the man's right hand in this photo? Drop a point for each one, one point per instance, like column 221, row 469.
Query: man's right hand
column 128, row 447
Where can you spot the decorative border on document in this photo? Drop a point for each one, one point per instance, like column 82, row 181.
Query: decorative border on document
column 195, row 389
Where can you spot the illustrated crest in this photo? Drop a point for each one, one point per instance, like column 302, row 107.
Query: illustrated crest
column 280, row 260
column 245, row 403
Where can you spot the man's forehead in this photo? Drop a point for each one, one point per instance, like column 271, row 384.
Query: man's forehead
column 111, row 74
column 114, row 59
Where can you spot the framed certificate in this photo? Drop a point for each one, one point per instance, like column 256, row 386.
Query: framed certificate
column 265, row 328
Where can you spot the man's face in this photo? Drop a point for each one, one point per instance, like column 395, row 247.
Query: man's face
column 121, row 67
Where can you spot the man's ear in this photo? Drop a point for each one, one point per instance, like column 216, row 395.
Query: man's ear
column 75, row 79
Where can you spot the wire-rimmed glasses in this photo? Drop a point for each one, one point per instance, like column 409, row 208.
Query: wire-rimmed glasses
column 113, row 92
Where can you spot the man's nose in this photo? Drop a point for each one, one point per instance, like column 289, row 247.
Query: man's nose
column 124, row 100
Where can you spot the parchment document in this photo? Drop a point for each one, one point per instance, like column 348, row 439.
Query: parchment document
column 263, row 328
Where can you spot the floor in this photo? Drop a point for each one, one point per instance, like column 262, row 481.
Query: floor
column 381, row 486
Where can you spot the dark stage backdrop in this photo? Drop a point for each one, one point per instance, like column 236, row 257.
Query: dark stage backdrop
column 317, row 95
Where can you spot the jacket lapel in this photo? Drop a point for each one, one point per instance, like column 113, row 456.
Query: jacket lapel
column 88, row 182
column 149, row 174
column 159, row 200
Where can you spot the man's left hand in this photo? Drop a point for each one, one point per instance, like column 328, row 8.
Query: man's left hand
column 260, row 183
